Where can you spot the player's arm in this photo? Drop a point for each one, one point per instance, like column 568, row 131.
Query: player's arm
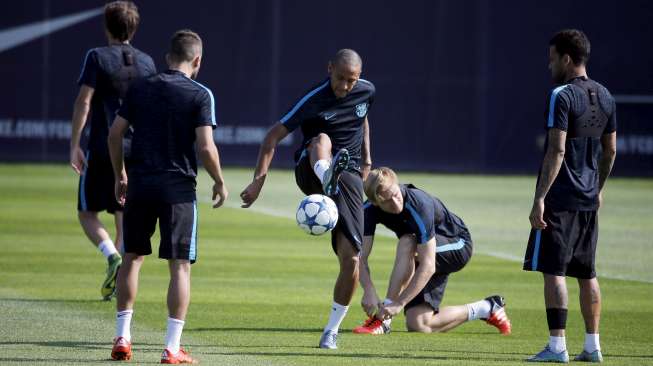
column 555, row 154
column 609, row 144
column 80, row 113
column 208, row 153
column 366, row 154
column 370, row 301
column 425, row 270
column 116, row 134
column 275, row 134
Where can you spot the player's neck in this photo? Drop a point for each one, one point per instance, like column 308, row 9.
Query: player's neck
column 183, row 68
column 576, row 72
column 113, row 41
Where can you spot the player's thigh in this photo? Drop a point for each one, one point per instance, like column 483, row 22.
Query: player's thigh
column 138, row 225
column 349, row 201
column 550, row 250
column 305, row 177
column 452, row 255
column 178, row 228
column 432, row 293
column 582, row 264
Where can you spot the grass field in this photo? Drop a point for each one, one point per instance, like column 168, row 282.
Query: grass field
column 262, row 288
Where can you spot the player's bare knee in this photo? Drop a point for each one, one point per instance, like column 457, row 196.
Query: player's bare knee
column 416, row 324
column 350, row 264
column 87, row 215
column 321, row 142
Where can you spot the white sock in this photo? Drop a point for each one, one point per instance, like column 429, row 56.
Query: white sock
column 123, row 324
column 173, row 335
column 479, row 310
column 107, row 248
column 321, row 166
column 387, row 301
column 338, row 313
column 557, row 344
column 591, row 342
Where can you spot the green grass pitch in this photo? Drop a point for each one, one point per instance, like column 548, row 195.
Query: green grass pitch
column 262, row 289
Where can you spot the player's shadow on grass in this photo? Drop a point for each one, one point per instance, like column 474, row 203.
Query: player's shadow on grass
column 242, row 329
column 62, row 301
column 66, row 360
column 82, row 345
column 366, row 356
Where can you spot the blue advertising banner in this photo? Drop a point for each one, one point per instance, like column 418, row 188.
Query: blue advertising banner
column 461, row 86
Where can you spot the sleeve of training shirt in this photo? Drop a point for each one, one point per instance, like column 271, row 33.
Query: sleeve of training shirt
column 126, row 108
column 303, row 109
column 559, row 103
column 612, row 121
column 369, row 219
column 372, row 94
column 423, row 216
column 151, row 68
column 88, row 75
column 206, row 109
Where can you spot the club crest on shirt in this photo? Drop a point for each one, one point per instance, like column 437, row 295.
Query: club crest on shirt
column 361, row 110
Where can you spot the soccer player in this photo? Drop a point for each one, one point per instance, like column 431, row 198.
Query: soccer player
column 433, row 243
column 333, row 159
column 580, row 151
column 105, row 76
column 173, row 118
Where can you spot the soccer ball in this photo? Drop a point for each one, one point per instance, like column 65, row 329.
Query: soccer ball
column 317, row 214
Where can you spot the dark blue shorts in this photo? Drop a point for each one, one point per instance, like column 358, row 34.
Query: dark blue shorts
column 96, row 190
column 177, row 226
column 567, row 247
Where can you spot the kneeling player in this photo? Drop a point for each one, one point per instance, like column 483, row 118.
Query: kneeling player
column 433, row 243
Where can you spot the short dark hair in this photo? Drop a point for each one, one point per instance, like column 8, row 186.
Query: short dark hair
column 121, row 19
column 185, row 45
column 347, row 56
column 574, row 43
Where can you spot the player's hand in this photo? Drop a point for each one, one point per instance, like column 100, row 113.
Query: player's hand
column 370, row 302
column 77, row 159
column 390, row 310
column 251, row 192
column 219, row 194
column 121, row 189
column 537, row 215
column 600, row 199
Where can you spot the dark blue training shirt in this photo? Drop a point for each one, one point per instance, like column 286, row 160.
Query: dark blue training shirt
column 586, row 110
column 108, row 70
column 319, row 111
column 164, row 110
column 423, row 215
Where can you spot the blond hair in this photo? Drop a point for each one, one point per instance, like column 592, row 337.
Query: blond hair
column 378, row 178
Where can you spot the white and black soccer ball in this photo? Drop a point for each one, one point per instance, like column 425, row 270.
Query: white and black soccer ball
column 317, row 214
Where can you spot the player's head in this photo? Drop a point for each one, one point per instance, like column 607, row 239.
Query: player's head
column 568, row 49
column 121, row 20
column 344, row 70
column 185, row 50
column 382, row 189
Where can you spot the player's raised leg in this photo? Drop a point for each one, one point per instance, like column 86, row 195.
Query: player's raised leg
column 327, row 168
